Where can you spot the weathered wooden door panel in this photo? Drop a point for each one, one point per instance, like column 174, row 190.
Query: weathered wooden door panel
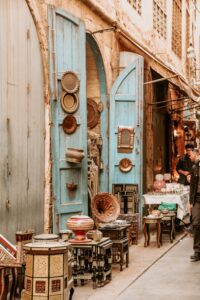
column 126, row 111
column 21, row 121
column 68, row 44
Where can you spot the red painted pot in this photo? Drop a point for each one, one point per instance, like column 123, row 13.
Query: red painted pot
column 80, row 224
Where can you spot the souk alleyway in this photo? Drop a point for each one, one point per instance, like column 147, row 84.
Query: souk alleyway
column 153, row 273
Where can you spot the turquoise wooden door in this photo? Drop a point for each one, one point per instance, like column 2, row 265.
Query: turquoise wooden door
column 126, row 126
column 67, row 52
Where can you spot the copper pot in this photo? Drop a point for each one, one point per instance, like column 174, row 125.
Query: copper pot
column 74, row 155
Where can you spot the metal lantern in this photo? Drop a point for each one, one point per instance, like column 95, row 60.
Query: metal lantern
column 47, row 274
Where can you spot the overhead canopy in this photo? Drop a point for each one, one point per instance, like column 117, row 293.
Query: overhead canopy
column 176, row 80
column 158, row 66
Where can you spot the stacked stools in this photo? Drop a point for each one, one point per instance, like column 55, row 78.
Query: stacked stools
column 132, row 231
column 168, row 226
column 120, row 247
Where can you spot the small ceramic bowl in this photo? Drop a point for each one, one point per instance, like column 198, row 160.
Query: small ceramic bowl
column 165, row 211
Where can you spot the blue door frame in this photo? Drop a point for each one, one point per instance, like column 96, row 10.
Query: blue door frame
column 67, row 41
column 126, row 111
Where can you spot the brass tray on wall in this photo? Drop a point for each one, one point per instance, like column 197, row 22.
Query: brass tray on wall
column 70, row 82
column 92, row 113
column 69, row 124
column 69, row 102
column 125, row 165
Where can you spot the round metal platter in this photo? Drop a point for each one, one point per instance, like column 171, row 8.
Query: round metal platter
column 125, row 165
column 69, row 124
column 69, row 102
column 70, row 82
column 92, row 113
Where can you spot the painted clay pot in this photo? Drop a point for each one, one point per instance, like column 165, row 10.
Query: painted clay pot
column 74, row 155
column 80, row 224
column 158, row 185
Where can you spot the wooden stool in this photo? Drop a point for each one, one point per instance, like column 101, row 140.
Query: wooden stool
column 151, row 220
column 168, row 226
column 120, row 252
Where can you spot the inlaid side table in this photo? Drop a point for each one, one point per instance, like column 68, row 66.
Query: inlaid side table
column 148, row 220
column 120, row 252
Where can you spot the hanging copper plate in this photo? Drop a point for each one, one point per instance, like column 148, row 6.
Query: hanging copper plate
column 92, row 113
column 125, row 165
column 69, row 124
column 70, row 82
column 69, row 102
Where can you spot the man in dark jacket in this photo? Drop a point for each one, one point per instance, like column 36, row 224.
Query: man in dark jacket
column 184, row 165
column 195, row 205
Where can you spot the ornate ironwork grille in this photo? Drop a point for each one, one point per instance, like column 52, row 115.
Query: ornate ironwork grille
column 160, row 17
column 137, row 5
column 177, row 27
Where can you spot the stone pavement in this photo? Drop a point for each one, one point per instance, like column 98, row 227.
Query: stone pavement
column 153, row 273
column 172, row 277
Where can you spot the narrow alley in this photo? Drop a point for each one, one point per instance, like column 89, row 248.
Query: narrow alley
column 154, row 273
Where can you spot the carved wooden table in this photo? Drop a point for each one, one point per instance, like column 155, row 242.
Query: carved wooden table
column 92, row 261
column 152, row 220
column 120, row 248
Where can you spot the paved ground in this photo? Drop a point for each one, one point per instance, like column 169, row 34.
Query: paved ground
column 172, row 277
column 154, row 273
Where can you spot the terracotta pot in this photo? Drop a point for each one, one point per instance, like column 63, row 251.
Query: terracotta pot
column 74, row 155
column 80, row 224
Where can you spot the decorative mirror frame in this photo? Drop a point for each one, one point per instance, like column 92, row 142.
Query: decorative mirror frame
column 122, row 134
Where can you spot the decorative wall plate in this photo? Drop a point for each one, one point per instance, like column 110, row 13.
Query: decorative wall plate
column 70, row 82
column 69, row 124
column 100, row 106
column 125, row 165
column 69, row 102
column 92, row 113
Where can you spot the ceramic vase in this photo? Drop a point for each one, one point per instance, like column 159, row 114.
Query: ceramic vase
column 80, row 224
column 158, row 185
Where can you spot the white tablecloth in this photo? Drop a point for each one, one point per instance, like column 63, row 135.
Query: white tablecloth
column 182, row 200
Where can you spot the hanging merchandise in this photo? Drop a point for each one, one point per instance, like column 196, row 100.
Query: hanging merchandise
column 125, row 165
column 92, row 113
column 70, row 82
column 69, row 102
column 69, row 124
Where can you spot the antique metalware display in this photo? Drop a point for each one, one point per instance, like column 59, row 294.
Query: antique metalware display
column 69, row 102
column 125, row 165
column 80, row 224
column 71, row 186
column 47, row 273
column 70, row 82
column 92, row 113
column 105, row 207
column 69, row 124
column 74, row 155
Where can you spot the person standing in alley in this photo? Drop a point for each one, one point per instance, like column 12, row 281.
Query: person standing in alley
column 184, row 165
column 195, row 204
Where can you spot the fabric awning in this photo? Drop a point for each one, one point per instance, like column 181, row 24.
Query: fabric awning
column 177, row 80
column 160, row 67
